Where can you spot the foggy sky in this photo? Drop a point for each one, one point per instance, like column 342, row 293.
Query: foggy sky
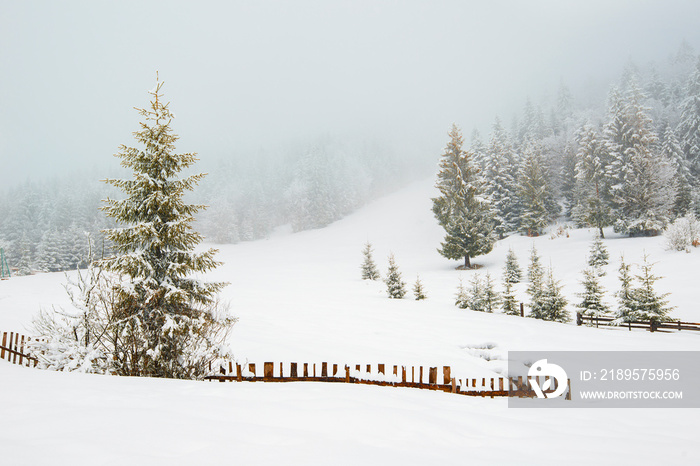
column 245, row 75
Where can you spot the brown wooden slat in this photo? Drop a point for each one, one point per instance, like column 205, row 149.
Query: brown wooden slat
column 446, row 377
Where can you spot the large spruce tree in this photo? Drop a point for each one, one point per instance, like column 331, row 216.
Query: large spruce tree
column 535, row 193
column 461, row 209
column 501, row 172
column 644, row 192
column 689, row 126
column 592, row 180
column 165, row 316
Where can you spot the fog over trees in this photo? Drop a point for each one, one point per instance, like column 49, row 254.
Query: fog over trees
column 301, row 112
column 634, row 154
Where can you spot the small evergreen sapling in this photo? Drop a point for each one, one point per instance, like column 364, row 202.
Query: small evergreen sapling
column 419, row 290
column 551, row 303
column 491, row 297
column 592, row 298
column 648, row 304
column 509, row 305
column 369, row 268
column 599, row 256
column 396, row 288
column 512, row 272
column 535, row 288
column 625, row 296
column 462, row 297
column 476, row 299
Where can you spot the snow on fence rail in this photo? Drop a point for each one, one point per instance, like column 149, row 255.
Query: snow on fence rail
column 401, row 376
column 13, row 349
column 650, row 325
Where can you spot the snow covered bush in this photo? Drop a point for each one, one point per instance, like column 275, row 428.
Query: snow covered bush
column 683, row 233
column 77, row 340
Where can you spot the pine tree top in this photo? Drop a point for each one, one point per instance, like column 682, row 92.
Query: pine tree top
column 155, row 241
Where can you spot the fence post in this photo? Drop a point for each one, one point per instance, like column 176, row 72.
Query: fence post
column 239, row 373
column 268, row 370
column 13, row 346
column 446, row 377
column 380, row 368
column 520, row 386
column 522, row 310
column 432, row 376
column 454, row 385
column 347, row 374
column 4, row 344
column 420, row 376
column 324, row 369
column 293, row 370
column 335, row 370
column 403, row 374
column 21, row 351
column 306, row 369
column 579, row 319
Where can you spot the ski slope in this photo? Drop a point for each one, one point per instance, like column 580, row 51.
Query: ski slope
column 299, row 298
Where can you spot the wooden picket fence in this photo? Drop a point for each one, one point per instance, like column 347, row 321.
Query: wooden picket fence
column 401, row 376
column 652, row 326
column 14, row 350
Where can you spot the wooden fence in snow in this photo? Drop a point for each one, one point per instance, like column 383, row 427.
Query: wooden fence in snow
column 13, row 349
column 652, row 326
column 426, row 378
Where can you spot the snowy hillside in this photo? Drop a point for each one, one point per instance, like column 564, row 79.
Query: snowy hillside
column 300, row 298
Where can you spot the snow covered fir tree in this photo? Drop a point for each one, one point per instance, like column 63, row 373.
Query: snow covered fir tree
column 419, row 290
column 369, row 268
column 150, row 316
column 647, row 304
column 396, row 288
column 592, row 297
column 598, row 256
column 511, row 272
column 169, row 322
column 462, row 209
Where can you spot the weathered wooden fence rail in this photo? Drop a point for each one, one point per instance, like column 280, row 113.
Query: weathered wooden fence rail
column 13, row 349
column 650, row 325
column 401, row 376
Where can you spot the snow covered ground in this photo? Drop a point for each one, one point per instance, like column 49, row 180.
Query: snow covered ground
column 300, row 298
